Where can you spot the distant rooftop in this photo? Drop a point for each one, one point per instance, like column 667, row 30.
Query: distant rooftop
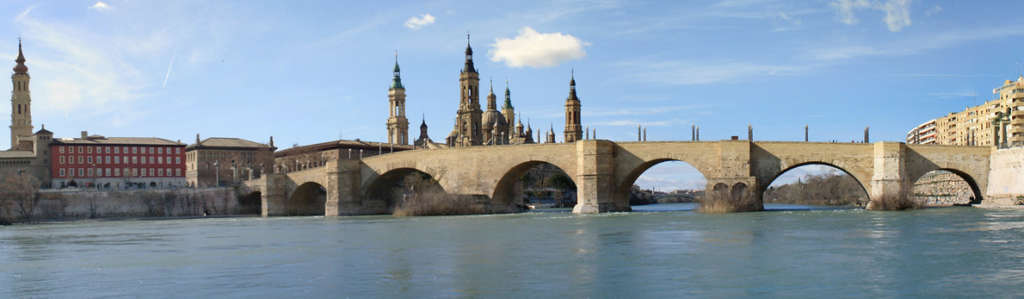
column 226, row 142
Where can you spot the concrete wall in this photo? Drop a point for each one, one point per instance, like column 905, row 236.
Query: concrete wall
column 1006, row 178
column 63, row 205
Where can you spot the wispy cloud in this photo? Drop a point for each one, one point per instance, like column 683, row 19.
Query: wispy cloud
column 417, row 22
column 170, row 68
column 897, row 12
column 954, row 94
column 534, row 49
column 645, row 123
column 917, row 44
column 934, row 10
column 677, row 72
column 83, row 71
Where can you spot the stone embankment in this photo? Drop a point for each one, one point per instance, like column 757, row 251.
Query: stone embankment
column 1006, row 179
column 85, row 204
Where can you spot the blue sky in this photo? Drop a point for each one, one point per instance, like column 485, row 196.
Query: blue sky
column 307, row 71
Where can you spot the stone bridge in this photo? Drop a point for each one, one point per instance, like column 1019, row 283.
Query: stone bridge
column 604, row 171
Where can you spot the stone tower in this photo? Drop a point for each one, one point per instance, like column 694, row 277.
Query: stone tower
column 508, row 112
column 21, row 103
column 398, row 125
column 494, row 126
column 467, row 125
column 573, row 130
column 551, row 135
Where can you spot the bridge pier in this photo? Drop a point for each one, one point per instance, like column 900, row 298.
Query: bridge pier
column 343, row 196
column 728, row 195
column 890, row 184
column 274, row 194
column 595, row 181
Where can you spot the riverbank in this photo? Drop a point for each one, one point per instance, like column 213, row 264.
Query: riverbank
column 56, row 205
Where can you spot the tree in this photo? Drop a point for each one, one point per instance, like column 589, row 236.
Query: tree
column 23, row 191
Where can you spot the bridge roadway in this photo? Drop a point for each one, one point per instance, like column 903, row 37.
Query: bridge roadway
column 737, row 172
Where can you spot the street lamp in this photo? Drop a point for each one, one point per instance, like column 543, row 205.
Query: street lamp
column 216, row 170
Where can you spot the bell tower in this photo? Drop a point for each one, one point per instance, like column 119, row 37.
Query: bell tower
column 468, row 124
column 573, row 130
column 398, row 125
column 21, row 103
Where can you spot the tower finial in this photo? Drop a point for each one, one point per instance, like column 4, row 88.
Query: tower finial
column 20, row 68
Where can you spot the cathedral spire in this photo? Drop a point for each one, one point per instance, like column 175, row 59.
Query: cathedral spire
column 20, row 68
column 572, row 84
column 396, row 81
column 508, row 96
column 469, row 57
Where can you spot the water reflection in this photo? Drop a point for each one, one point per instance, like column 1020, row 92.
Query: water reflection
column 665, row 251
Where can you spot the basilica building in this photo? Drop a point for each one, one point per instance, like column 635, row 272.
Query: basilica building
column 473, row 125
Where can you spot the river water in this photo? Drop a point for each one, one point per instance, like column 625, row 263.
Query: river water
column 662, row 251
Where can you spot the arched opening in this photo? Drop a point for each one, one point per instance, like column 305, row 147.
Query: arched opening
column 814, row 184
column 535, row 185
column 308, row 199
column 662, row 184
column 409, row 192
column 73, row 184
column 945, row 188
column 250, row 203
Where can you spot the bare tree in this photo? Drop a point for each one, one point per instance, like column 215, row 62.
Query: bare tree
column 23, row 191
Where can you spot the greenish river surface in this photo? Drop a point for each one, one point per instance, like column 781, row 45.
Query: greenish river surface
column 662, row 251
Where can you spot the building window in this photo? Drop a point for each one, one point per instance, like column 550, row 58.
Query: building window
column 81, row 160
column 177, row 160
column 135, row 160
column 61, row 148
column 106, row 160
column 144, row 160
column 159, row 160
column 151, row 172
column 117, row 159
column 116, row 150
column 106, row 149
column 62, row 160
column 88, row 149
column 151, row 151
column 90, row 159
column 90, row 172
column 107, row 171
column 177, row 172
column 160, row 150
column 62, row 173
column 160, row 172
column 80, row 149
column 177, row 150
column 117, row 172
column 135, row 150
column 99, row 149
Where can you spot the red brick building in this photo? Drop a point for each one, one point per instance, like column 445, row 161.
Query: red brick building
column 117, row 162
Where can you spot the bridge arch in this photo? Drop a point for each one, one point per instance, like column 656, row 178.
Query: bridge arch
column 975, row 189
column 508, row 191
column 859, row 179
column 625, row 184
column 309, row 198
column 384, row 192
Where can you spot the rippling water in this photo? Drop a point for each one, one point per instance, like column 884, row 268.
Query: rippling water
column 793, row 251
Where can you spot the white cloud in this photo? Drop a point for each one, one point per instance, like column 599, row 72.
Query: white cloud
column 415, row 23
column 933, row 11
column 100, row 6
column 897, row 12
column 534, row 49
